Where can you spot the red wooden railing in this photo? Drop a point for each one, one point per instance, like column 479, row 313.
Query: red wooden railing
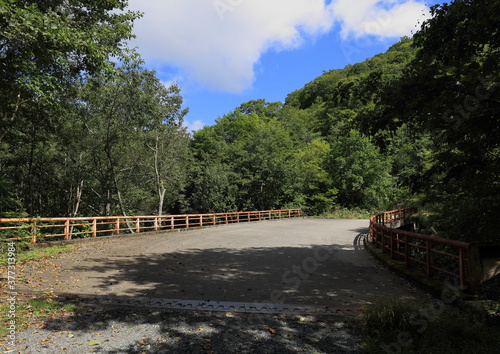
column 438, row 255
column 36, row 229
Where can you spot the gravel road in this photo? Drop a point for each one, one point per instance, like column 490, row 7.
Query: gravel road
column 300, row 261
column 108, row 330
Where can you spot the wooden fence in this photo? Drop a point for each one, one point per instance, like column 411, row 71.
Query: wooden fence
column 53, row 229
column 450, row 258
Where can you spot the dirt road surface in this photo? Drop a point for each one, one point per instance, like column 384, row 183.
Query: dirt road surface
column 292, row 261
column 282, row 286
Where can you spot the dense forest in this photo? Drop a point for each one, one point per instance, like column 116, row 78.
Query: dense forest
column 86, row 129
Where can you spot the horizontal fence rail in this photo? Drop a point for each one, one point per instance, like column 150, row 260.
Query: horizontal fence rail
column 56, row 229
column 455, row 259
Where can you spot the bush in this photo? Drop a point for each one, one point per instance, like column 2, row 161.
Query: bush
column 407, row 327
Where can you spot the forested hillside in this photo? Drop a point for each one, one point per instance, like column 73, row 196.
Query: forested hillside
column 417, row 125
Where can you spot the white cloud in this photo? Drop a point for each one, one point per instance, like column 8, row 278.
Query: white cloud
column 219, row 48
column 383, row 18
column 192, row 127
column 218, row 42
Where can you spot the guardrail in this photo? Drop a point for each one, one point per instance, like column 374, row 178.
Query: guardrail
column 452, row 258
column 53, row 229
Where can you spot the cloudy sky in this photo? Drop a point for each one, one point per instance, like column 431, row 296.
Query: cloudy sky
column 227, row 52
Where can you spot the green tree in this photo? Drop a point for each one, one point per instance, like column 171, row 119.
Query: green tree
column 46, row 45
column 360, row 173
column 320, row 195
column 245, row 161
column 46, row 48
column 451, row 91
column 137, row 146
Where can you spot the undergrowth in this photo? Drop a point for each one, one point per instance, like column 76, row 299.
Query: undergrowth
column 395, row 326
column 32, row 312
column 24, row 254
column 345, row 214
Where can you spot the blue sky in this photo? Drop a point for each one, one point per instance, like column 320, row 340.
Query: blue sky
column 226, row 52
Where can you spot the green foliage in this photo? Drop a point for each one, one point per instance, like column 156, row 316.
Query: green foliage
column 387, row 315
column 246, row 161
column 23, row 254
column 39, row 308
column 390, row 325
column 319, row 192
column 135, row 141
column 117, row 146
column 47, row 45
column 360, row 172
column 450, row 92
column 341, row 213
column 213, row 188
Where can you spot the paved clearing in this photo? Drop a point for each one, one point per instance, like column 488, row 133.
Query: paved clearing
column 305, row 262
column 292, row 261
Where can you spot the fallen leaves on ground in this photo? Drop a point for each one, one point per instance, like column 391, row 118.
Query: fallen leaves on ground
column 272, row 330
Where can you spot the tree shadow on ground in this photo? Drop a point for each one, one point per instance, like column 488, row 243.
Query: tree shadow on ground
column 206, row 332
column 320, row 275
column 326, row 275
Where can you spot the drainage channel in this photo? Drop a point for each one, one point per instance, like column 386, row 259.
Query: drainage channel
column 200, row 305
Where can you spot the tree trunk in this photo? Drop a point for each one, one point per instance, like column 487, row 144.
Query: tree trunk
column 161, row 194
column 78, row 198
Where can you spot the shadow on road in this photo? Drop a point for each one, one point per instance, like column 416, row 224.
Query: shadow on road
column 323, row 274
column 311, row 273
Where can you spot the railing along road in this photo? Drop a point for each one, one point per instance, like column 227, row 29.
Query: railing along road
column 53, row 229
column 456, row 259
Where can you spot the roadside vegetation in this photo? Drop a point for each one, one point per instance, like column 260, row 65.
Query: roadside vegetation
column 345, row 214
column 30, row 310
column 390, row 326
column 24, row 254
column 33, row 312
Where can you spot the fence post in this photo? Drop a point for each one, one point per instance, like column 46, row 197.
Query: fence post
column 213, row 219
column 393, row 241
column 33, row 232
column 138, row 225
column 383, row 240
column 407, row 251
column 66, row 229
column 156, row 223
column 171, row 222
column 461, row 265
column 428, row 246
column 117, row 228
column 474, row 268
column 94, row 227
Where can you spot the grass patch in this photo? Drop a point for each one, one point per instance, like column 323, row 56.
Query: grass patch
column 23, row 254
column 394, row 326
column 33, row 312
column 345, row 214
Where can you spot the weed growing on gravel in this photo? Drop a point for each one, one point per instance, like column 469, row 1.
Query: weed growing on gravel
column 33, row 312
column 35, row 254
